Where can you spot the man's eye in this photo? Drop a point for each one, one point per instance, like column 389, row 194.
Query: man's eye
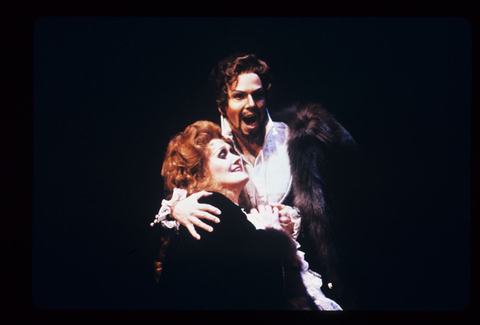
column 239, row 96
column 259, row 96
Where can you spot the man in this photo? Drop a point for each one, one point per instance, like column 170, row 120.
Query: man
column 267, row 148
column 241, row 100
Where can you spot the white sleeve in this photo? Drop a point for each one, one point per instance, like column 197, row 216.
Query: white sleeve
column 166, row 209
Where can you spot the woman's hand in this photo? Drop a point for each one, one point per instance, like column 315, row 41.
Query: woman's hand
column 265, row 217
column 188, row 213
column 285, row 220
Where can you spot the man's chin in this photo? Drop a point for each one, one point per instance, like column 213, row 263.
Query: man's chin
column 250, row 132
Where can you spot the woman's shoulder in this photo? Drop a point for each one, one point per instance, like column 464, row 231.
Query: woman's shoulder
column 220, row 201
column 231, row 214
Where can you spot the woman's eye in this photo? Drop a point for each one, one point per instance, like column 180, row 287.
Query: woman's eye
column 223, row 154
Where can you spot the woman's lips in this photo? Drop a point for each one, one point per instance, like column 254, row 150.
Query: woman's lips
column 237, row 168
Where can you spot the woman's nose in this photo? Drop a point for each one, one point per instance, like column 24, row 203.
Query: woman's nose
column 236, row 158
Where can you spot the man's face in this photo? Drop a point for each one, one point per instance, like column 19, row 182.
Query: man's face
column 246, row 110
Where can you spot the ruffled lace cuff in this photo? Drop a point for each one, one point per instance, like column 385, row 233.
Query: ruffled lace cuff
column 166, row 209
column 297, row 220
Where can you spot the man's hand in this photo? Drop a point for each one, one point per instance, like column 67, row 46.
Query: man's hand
column 188, row 211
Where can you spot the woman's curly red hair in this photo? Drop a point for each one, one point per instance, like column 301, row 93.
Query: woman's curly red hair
column 185, row 166
column 186, row 157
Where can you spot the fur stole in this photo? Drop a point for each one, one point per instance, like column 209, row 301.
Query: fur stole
column 315, row 137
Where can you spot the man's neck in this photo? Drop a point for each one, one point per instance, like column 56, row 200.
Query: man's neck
column 250, row 145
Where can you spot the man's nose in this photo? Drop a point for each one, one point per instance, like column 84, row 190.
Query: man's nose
column 251, row 101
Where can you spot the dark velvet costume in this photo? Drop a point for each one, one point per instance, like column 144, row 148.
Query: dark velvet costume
column 233, row 267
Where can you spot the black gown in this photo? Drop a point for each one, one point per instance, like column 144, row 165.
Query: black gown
column 233, row 267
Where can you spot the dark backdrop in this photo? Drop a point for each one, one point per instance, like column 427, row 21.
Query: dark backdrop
column 110, row 92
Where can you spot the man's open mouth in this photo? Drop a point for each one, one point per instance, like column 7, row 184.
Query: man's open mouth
column 250, row 120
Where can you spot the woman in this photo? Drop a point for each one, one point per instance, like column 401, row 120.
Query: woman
column 236, row 266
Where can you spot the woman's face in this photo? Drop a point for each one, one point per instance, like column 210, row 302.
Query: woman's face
column 225, row 165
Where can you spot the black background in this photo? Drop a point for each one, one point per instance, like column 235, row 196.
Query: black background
column 110, row 92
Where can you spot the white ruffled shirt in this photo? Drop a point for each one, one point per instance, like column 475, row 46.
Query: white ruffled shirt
column 270, row 179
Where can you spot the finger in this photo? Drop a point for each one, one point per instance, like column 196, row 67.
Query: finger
column 275, row 211
column 284, row 219
column 203, row 194
column 261, row 209
column 278, row 205
column 184, row 221
column 209, row 208
column 206, row 216
column 200, row 224
column 253, row 211
column 192, row 231
column 268, row 209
